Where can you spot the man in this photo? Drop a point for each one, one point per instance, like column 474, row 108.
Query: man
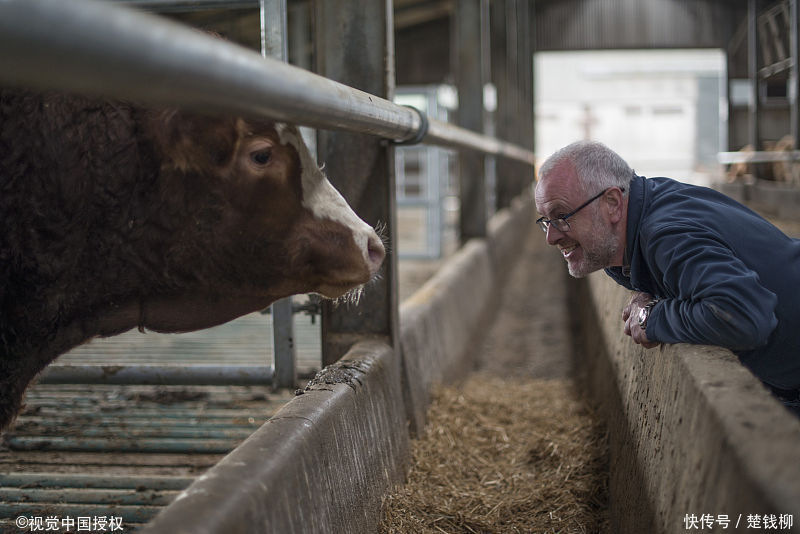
column 704, row 269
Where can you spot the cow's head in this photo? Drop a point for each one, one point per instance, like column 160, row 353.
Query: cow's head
column 271, row 223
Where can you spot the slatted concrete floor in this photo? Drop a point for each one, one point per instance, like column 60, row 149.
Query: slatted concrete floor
column 121, row 451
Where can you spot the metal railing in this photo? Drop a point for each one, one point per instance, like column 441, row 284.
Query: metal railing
column 116, row 52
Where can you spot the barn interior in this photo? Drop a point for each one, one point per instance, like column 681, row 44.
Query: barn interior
column 704, row 91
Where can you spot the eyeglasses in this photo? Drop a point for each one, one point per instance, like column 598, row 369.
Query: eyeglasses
column 560, row 222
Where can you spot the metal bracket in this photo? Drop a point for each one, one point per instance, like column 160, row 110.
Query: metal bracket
column 421, row 133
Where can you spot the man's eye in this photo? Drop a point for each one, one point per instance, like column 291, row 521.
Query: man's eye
column 261, row 157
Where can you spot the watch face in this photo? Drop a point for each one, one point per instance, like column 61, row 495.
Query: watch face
column 642, row 317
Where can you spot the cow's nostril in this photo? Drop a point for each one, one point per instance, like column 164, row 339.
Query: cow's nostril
column 376, row 251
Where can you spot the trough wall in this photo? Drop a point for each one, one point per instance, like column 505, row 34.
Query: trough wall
column 324, row 461
column 691, row 430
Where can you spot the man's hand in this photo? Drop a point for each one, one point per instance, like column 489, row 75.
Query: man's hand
column 630, row 314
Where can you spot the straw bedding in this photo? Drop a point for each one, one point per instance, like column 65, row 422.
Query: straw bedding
column 504, row 456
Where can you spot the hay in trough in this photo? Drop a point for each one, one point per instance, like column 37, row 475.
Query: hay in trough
column 502, row 456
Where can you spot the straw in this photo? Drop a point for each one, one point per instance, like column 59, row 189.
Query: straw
column 504, row 456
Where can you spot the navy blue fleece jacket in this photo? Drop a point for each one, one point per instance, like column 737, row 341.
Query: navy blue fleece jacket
column 725, row 275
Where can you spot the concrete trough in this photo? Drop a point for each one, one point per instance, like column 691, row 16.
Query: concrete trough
column 325, row 460
column 692, row 431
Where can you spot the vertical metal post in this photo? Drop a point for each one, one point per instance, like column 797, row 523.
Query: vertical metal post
column 469, row 73
column 273, row 29
column 794, row 77
column 504, row 115
column 273, row 44
column 527, row 116
column 285, row 374
column 299, row 16
column 752, row 71
column 354, row 43
column 489, row 108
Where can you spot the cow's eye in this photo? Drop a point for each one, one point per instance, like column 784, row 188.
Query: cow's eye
column 261, row 157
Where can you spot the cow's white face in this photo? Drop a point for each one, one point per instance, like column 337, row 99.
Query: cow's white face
column 327, row 204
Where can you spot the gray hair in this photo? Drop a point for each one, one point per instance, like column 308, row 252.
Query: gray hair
column 597, row 166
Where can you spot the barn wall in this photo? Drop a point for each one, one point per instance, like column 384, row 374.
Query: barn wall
column 691, row 430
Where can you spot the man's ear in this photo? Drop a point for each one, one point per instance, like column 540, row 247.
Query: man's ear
column 615, row 203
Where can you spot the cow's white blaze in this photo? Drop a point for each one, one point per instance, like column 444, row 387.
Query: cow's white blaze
column 325, row 202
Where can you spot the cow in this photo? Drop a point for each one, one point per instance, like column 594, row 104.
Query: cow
column 788, row 169
column 116, row 216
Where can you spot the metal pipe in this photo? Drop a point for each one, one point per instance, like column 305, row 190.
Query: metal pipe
column 445, row 134
column 200, row 375
column 752, row 70
column 273, row 29
column 109, row 431
column 143, row 445
column 69, row 480
column 189, row 5
column 154, row 425
column 794, row 73
column 83, row 496
column 115, row 52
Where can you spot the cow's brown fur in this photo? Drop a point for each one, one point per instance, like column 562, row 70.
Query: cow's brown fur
column 114, row 216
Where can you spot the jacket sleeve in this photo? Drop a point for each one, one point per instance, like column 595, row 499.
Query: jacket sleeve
column 714, row 298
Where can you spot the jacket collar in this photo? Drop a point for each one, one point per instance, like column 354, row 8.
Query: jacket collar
column 636, row 200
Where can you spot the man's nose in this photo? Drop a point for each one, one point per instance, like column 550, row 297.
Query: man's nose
column 553, row 234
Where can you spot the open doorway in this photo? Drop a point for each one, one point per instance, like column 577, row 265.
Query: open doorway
column 662, row 110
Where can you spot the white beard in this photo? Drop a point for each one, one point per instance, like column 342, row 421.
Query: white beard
column 602, row 251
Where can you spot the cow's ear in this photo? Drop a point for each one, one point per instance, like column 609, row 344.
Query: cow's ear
column 189, row 141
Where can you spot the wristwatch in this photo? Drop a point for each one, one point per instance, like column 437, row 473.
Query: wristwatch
column 644, row 313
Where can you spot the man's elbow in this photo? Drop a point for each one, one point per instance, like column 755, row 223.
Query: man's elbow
column 744, row 331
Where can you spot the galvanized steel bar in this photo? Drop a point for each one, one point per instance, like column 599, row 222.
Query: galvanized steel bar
column 119, row 444
column 445, row 134
column 153, row 422
column 136, row 496
column 761, row 156
column 116, row 52
column 166, row 413
column 274, row 44
column 794, row 76
column 189, row 5
column 63, row 480
column 273, row 29
column 754, row 135
column 163, row 375
column 202, row 375
column 285, row 370
column 469, row 54
column 111, row 431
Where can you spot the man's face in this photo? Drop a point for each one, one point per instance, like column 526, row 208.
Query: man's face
column 589, row 244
